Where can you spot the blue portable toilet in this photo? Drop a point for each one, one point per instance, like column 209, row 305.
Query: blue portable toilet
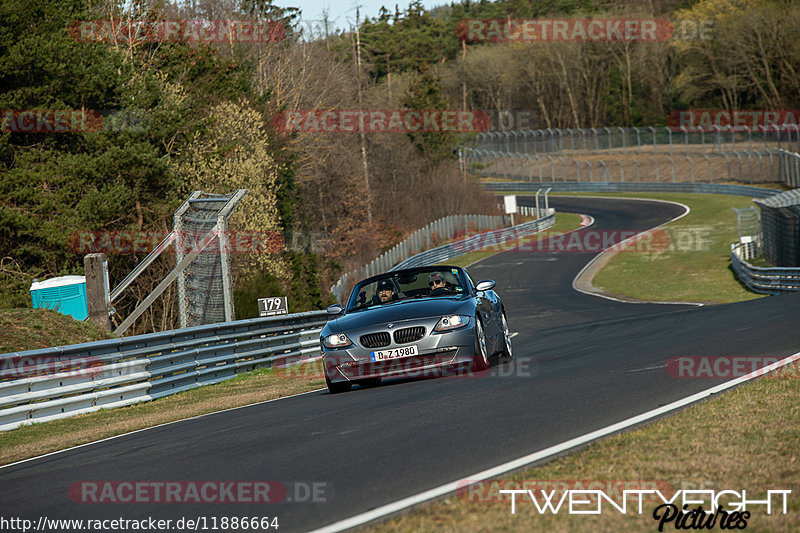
column 65, row 294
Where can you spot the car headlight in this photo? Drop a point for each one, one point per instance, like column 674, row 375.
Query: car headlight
column 338, row 340
column 448, row 322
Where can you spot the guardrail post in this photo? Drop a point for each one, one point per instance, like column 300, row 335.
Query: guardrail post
column 669, row 135
column 710, row 175
column 98, row 291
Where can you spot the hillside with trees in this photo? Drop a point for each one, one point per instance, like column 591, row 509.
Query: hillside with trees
column 179, row 116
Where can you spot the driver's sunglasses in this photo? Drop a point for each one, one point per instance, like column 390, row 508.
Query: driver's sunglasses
column 435, row 281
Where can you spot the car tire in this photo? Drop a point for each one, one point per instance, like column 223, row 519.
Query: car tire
column 369, row 382
column 506, row 354
column 481, row 360
column 336, row 388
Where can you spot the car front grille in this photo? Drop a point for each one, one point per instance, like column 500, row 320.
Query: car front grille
column 375, row 340
column 402, row 336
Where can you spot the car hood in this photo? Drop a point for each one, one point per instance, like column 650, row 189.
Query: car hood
column 406, row 310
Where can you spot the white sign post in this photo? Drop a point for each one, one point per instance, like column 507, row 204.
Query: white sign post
column 511, row 205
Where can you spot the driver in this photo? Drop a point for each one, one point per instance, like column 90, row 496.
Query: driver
column 437, row 284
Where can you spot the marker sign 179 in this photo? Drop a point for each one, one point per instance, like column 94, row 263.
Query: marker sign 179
column 272, row 306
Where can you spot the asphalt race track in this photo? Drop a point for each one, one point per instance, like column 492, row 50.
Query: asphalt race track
column 581, row 363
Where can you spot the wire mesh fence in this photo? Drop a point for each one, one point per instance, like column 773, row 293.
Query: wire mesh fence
column 205, row 288
column 754, row 155
column 780, row 216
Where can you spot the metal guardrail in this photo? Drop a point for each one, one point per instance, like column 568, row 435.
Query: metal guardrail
column 52, row 383
column 453, row 249
column 764, row 280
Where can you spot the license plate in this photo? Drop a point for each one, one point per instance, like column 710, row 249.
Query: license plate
column 394, row 353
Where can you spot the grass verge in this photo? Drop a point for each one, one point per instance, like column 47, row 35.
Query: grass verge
column 748, row 438
column 28, row 329
column 696, row 264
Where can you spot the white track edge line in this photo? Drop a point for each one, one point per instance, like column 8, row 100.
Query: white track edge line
column 154, row 427
column 452, row 486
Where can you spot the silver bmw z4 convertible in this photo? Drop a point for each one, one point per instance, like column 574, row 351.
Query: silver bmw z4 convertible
column 418, row 322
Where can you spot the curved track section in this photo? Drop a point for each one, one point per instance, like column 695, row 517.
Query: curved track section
column 582, row 363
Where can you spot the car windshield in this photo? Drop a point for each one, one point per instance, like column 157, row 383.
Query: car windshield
column 428, row 282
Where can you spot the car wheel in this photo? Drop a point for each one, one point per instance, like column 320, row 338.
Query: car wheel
column 369, row 383
column 336, row 388
column 481, row 360
column 506, row 353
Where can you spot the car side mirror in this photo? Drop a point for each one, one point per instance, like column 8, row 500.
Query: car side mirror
column 335, row 309
column 485, row 285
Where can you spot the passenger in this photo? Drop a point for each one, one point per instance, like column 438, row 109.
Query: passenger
column 386, row 291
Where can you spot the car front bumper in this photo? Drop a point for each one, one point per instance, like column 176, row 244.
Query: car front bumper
column 439, row 354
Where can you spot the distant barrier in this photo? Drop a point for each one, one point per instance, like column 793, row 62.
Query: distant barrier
column 697, row 188
column 764, row 280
